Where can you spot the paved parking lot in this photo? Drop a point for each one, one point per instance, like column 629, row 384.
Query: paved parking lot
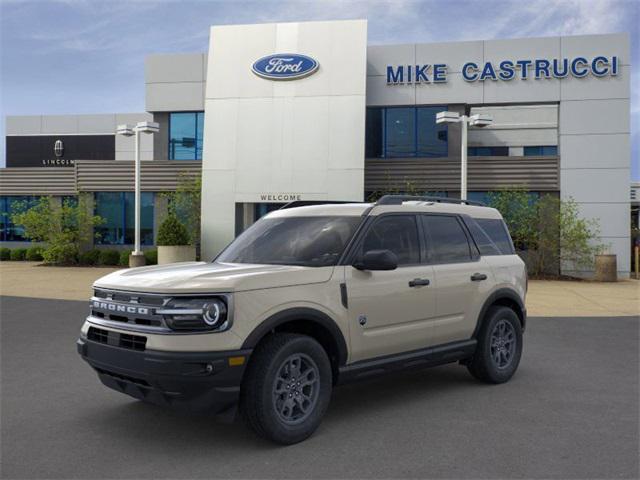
column 570, row 412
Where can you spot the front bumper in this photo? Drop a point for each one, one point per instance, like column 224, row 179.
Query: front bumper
column 194, row 381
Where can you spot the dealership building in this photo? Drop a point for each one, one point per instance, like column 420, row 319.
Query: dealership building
column 309, row 111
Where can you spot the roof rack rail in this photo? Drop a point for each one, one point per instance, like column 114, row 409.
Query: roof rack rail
column 306, row 203
column 398, row 199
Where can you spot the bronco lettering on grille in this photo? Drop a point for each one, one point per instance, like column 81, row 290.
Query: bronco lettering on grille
column 116, row 307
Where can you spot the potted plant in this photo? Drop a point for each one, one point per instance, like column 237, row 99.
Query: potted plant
column 173, row 242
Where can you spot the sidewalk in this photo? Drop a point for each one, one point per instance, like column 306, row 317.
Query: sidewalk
column 546, row 298
column 30, row 279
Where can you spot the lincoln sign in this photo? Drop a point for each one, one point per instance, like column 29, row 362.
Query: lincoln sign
column 506, row 70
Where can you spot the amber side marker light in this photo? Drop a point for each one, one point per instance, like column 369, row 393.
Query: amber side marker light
column 236, row 361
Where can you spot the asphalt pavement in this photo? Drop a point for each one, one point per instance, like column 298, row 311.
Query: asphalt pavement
column 571, row 411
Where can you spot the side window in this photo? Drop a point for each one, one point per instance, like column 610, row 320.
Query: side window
column 448, row 241
column 398, row 233
column 484, row 243
column 498, row 233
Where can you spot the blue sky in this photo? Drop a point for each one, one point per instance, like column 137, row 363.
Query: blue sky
column 86, row 56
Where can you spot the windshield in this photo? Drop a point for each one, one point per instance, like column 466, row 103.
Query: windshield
column 305, row 241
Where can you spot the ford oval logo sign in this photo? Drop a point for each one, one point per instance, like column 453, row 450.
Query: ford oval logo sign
column 285, row 66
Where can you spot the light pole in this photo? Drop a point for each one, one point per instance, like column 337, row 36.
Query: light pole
column 477, row 120
column 136, row 259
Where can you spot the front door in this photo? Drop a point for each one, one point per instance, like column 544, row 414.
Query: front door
column 389, row 311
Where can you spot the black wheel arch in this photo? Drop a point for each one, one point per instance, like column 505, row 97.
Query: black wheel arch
column 308, row 321
column 504, row 297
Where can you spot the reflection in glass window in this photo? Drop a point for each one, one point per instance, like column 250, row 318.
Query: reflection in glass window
column 448, row 241
column 400, row 132
column 185, row 135
column 497, row 232
column 405, row 132
column 117, row 209
column 9, row 232
column 397, row 233
column 432, row 137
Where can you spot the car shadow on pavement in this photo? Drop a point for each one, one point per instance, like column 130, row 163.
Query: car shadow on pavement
column 379, row 397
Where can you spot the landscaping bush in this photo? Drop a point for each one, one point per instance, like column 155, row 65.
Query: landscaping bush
column 34, row 254
column 90, row 257
column 124, row 258
column 63, row 227
column 18, row 254
column 61, row 254
column 172, row 232
column 109, row 257
column 5, row 253
column 151, row 257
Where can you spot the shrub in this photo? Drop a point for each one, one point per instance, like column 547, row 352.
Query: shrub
column 64, row 227
column 548, row 232
column 34, row 254
column 109, row 257
column 172, row 232
column 151, row 257
column 124, row 258
column 185, row 203
column 61, row 254
column 18, row 254
column 5, row 253
column 90, row 257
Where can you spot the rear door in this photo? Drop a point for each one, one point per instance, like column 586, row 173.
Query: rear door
column 462, row 277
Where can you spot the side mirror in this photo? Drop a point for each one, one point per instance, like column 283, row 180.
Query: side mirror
column 377, row 260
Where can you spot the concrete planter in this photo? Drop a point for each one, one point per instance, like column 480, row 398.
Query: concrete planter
column 176, row 253
column 606, row 268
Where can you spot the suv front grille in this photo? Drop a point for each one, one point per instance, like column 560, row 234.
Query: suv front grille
column 134, row 309
column 122, row 340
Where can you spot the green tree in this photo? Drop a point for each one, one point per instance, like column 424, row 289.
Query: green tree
column 65, row 227
column 184, row 203
column 548, row 232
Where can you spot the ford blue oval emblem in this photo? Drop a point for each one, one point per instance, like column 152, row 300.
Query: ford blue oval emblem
column 285, row 66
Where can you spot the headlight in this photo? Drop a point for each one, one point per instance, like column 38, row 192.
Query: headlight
column 196, row 314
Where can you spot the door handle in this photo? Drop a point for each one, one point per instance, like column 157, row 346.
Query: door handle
column 419, row 282
column 478, row 277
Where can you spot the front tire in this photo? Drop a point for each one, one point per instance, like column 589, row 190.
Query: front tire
column 499, row 347
column 287, row 388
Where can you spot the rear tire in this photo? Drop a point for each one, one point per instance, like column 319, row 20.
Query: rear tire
column 499, row 346
column 287, row 388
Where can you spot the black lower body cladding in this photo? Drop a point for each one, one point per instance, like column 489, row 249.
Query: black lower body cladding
column 193, row 381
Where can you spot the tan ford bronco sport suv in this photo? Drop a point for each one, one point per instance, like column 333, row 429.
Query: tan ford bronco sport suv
column 309, row 297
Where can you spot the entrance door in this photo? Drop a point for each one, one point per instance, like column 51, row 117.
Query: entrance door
column 389, row 311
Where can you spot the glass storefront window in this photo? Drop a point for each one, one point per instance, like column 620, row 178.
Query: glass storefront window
column 117, row 209
column 9, row 232
column 185, row 135
column 541, row 151
column 432, row 137
column 405, row 132
column 400, row 138
column 488, row 151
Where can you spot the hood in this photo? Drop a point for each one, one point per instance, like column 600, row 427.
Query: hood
column 201, row 277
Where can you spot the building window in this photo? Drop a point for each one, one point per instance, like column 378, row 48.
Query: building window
column 9, row 232
column 405, row 132
column 541, row 151
column 117, row 209
column 488, row 151
column 185, row 135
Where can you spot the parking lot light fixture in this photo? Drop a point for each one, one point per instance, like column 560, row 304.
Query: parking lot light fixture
column 136, row 258
column 477, row 120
